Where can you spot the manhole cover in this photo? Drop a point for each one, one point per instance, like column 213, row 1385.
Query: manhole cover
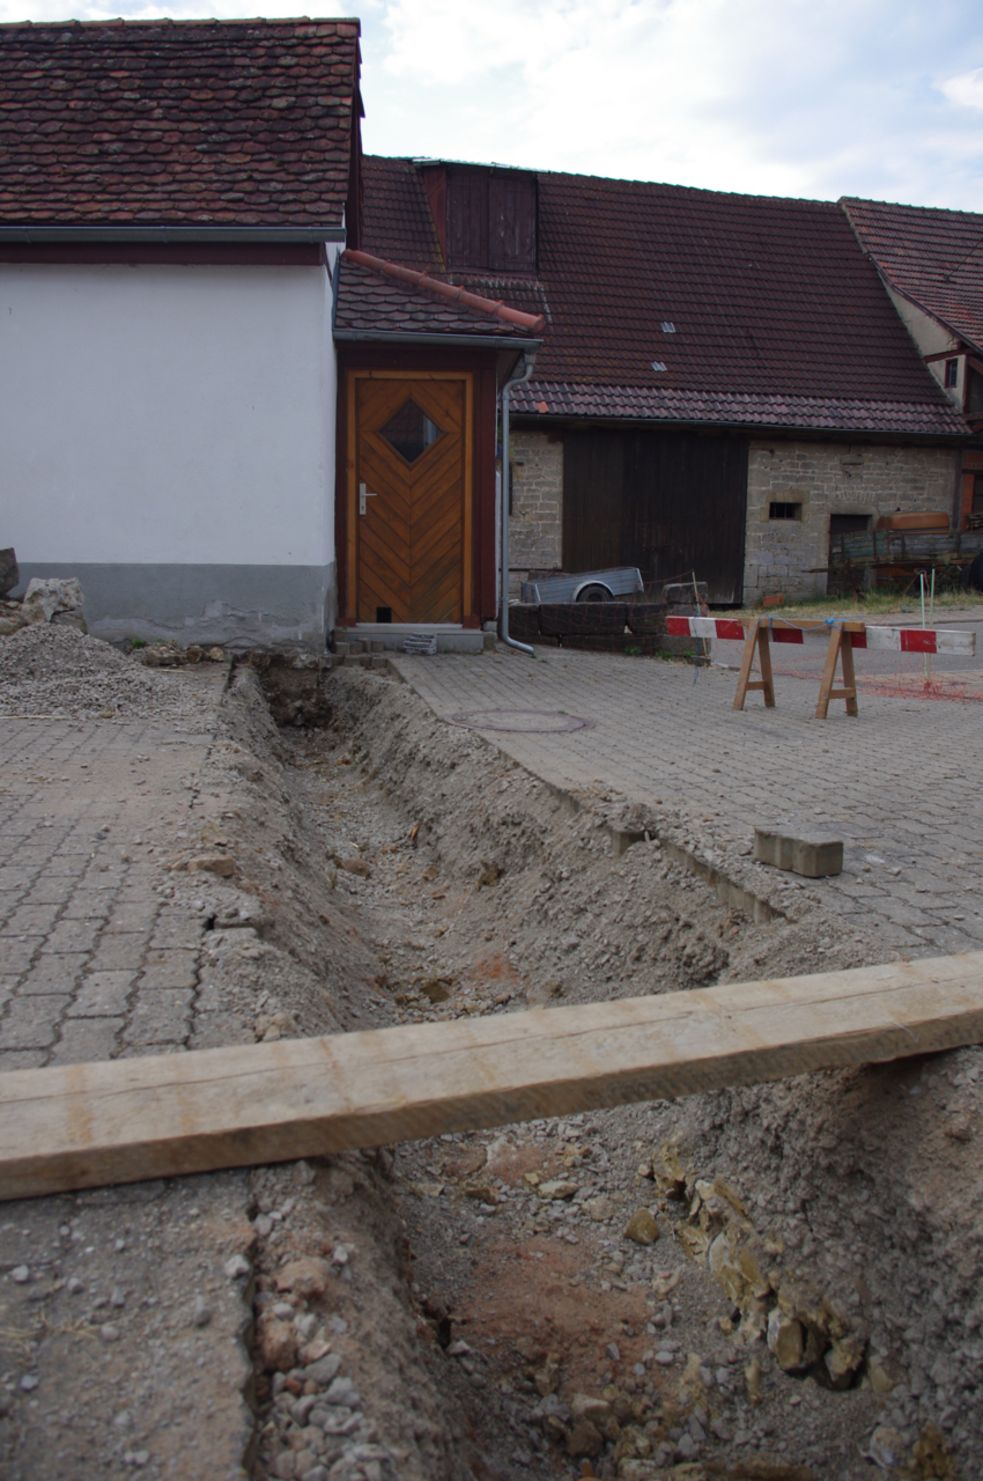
column 533, row 722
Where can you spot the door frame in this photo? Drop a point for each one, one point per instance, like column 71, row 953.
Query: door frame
column 352, row 377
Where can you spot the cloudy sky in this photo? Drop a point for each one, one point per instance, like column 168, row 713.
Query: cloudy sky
column 819, row 98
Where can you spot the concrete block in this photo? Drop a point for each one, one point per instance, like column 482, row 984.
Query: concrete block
column 814, row 855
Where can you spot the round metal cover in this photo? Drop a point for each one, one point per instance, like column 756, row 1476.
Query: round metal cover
column 532, row 722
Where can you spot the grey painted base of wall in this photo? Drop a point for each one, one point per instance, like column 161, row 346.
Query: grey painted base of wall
column 238, row 606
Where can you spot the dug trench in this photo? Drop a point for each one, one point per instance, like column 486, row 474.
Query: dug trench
column 777, row 1282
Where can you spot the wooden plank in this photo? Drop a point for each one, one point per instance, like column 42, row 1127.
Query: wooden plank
column 84, row 1125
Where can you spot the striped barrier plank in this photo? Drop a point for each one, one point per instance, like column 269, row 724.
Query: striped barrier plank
column 862, row 635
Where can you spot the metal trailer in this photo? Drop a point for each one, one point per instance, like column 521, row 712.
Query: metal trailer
column 587, row 586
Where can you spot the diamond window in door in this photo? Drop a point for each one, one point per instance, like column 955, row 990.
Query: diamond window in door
column 410, row 432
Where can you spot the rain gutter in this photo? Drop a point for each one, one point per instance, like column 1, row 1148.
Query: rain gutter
column 503, row 621
column 471, row 341
column 172, row 234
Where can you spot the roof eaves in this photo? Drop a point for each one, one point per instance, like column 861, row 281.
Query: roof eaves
column 407, row 337
column 196, row 233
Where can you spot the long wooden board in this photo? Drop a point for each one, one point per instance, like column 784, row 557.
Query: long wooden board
column 123, row 1121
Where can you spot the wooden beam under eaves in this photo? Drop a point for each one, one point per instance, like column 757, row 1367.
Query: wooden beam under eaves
column 83, row 1125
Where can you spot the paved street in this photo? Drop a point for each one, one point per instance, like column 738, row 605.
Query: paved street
column 900, row 784
column 94, row 960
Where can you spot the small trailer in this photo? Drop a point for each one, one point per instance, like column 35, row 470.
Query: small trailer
column 587, row 586
column 900, row 547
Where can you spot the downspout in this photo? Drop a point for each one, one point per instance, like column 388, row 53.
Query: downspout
column 503, row 618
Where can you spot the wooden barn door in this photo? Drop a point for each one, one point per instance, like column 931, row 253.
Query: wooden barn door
column 670, row 503
column 409, row 509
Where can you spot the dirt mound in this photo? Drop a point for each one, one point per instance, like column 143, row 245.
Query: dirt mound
column 47, row 670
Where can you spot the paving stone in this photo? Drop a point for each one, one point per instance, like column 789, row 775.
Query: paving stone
column 119, row 953
column 83, row 1040
column 102, row 993
column 173, row 931
column 17, row 952
column 812, row 854
column 31, row 920
column 170, row 969
column 29, row 1023
column 134, row 917
column 57, row 973
column 162, row 1019
column 21, row 1059
column 73, row 936
column 52, row 889
column 87, row 905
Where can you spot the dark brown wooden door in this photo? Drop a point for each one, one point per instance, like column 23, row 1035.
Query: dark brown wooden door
column 671, row 503
column 409, row 505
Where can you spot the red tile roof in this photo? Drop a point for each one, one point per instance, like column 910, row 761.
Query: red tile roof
column 396, row 220
column 244, row 123
column 777, row 319
column 377, row 297
column 731, row 408
column 933, row 257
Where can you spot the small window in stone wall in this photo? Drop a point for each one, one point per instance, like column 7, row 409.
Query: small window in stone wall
column 779, row 510
column 952, row 372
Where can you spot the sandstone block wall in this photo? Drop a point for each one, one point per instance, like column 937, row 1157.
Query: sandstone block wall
column 536, row 526
column 790, row 555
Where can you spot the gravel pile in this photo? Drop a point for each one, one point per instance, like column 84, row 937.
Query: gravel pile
column 49, row 670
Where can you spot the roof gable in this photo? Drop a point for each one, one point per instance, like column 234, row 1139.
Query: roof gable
column 933, row 257
column 182, row 124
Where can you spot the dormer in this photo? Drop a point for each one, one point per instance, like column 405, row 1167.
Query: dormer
column 485, row 217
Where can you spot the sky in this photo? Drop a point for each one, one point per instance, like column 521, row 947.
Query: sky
column 813, row 98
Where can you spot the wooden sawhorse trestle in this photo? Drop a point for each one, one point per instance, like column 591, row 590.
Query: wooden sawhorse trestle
column 757, row 634
column 839, row 655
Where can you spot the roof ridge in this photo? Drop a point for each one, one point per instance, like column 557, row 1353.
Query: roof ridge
column 863, row 200
column 667, row 185
column 535, row 323
column 123, row 23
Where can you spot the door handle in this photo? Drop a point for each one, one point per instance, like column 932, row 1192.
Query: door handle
column 363, row 494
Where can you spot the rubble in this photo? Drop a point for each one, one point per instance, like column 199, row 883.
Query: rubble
column 54, row 600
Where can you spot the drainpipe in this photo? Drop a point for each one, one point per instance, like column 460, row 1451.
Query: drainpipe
column 503, row 620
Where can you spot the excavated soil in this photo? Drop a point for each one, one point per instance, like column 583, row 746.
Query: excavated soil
column 807, row 1304
column 775, row 1284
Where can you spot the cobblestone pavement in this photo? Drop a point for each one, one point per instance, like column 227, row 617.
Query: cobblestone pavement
column 120, row 1329
column 94, row 961
column 899, row 783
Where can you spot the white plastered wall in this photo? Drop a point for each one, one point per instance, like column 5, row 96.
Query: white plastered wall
column 167, row 414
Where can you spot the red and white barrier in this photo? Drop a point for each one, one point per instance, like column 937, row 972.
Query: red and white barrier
column 917, row 640
column 899, row 639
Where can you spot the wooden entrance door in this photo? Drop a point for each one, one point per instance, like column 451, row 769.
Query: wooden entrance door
column 409, row 501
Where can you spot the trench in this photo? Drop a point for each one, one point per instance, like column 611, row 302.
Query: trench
column 616, row 1294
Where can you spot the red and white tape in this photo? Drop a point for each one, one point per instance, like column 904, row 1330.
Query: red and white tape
column 900, row 639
